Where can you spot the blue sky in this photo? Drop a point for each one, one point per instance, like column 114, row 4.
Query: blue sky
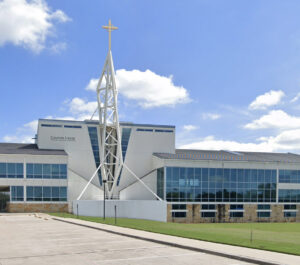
column 226, row 73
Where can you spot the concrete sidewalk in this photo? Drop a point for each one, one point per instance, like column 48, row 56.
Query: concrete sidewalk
column 233, row 252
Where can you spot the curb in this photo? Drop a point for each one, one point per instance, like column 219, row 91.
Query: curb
column 211, row 252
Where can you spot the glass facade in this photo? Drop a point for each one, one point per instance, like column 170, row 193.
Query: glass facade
column 220, row 185
column 11, row 170
column 160, row 183
column 125, row 140
column 288, row 195
column 124, row 144
column 46, row 193
column 289, row 176
column 95, row 147
column 46, row 171
column 17, row 193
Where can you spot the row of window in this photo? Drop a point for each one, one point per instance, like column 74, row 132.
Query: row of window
column 59, row 126
column 11, row 170
column 236, row 211
column 46, row 171
column 241, row 214
column 155, row 130
column 38, row 193
column 289, row 176
column 195, row 176
column 219, row 195
column 288, row 195
column 39, row 171
column 46, row 193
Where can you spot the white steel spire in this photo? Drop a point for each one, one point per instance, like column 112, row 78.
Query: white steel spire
column 110, row 139
column 111, row 159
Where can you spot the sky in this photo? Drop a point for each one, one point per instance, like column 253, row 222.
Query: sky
column 225, row 73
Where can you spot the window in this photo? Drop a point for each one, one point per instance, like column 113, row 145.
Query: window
column 290, row 214
column 236, row 214
column 17, row 193
column 263, row 207
column 290, row 207
column 264, row 214
column 178, row 214
column 46, row 171
column 236, row 207
column 11, row 170
column 208, row 206
column 164, row 131
column 125, row 140
column 179, row 210
column 144, row 130
column 208, row 214
column 178, row 206
column 93, row 133
column 73, row 126
column 50, row 125
column 46, row 193
column 160, row 182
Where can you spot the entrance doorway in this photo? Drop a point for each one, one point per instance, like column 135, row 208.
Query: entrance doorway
column 4, row 198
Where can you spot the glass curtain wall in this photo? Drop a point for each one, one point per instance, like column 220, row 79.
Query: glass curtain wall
column 220, row 185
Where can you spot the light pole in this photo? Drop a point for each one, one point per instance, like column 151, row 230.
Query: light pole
column 104, row 181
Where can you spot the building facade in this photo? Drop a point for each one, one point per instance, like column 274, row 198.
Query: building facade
column 196, row 185
column 224, row 186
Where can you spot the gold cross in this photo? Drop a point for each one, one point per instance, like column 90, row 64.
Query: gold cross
column 110, row 28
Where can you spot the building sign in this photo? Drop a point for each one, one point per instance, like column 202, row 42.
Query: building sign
column 62, row 138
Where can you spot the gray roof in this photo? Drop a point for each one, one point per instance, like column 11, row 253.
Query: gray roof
column 223, row 155
column 27, row 149
column 97, row 122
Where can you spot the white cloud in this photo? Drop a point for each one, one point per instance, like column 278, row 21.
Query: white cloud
column 77, row 109
column 58, row 47
column 23, row 134
column 295, row 98
column 275, row 119
column 18, row 139
column 189, row 128
column 147, row 88
column 92, row 85
column 211, row 116
column 28, row 23
column 266, row 100
column 285, row 141
column 210, row 143
column 79, row 106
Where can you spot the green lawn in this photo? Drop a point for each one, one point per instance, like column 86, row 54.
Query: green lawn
column 280, row 237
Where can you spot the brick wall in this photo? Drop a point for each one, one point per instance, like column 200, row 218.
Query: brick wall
column 223, row 215
column 36, row 207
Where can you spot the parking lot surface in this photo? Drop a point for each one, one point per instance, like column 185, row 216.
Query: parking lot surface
column 27, row 239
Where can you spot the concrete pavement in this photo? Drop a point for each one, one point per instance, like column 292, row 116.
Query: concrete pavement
column 240, row 253
column 38, row 239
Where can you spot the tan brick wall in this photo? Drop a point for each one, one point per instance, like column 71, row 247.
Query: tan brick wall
column 250, row 214
column 223, row 215
column 169, row 214
column 277, row 213
column 298, row 213
column 37, row 207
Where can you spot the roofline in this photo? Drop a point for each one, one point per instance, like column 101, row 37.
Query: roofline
column 251, row 152
column 121, row 123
